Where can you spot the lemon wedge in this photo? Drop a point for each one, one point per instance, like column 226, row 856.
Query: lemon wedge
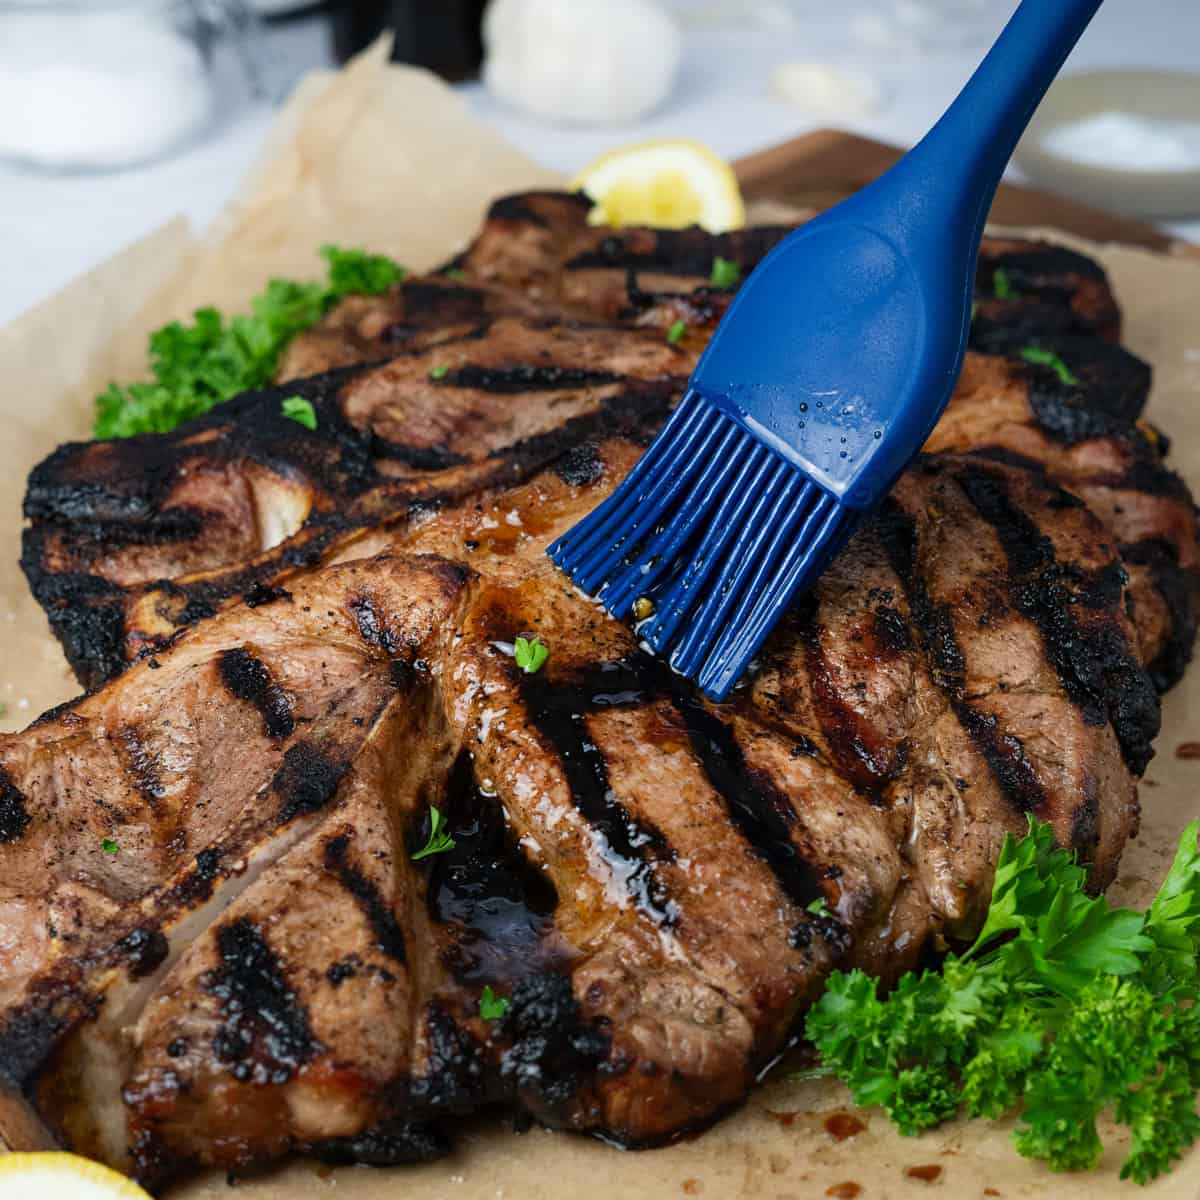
column 669, row 184
column 62, row 1177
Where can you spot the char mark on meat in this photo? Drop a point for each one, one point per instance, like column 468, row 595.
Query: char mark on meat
column 298, row 642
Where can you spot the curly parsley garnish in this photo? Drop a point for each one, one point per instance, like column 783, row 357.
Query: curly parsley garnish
column 296, row 408
column 491, row 1006
column 530, row 654
column 196, row 366
column 1066, row 1003
column 1047, row 358
column 439, row 840
column 725, row 273
column 108, row 846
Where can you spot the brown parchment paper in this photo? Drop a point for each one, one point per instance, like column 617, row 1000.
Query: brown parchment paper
column 389, row 158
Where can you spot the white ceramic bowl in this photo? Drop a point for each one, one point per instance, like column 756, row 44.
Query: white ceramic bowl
column 1167, row 99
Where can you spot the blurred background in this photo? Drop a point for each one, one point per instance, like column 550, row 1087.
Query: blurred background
column 117, row 114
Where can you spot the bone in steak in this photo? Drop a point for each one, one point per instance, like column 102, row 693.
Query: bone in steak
column 307, row 638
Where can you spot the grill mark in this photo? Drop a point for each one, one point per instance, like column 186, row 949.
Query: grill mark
column 866, row 762
column 306, row 781
column 261, row 593
column 1096, row 666
column 428, row 305
column 14, row 810
column 389, row 937
column 420, row 458
column 762, row 814
column 1004, row 753
column 197, row 885
column 891, row 631
column 372, row 628
column 1005, row 756
column 248, row 678
column 144, row 949
column 265, row 1035
column 141, row 767
column 630, row 847
column 1085, row 820
column 526, row 378
column 581, row 466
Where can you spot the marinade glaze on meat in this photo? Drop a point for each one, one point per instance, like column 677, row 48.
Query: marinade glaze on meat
column 300, row 642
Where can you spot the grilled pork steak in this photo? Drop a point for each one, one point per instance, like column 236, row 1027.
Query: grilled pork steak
column 216, row 944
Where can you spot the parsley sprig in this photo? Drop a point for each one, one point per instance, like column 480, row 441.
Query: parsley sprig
column 1071, row 1004
column 491, row 1006
column 439, row 841
column 196, row 366
column 530, row 653
column 1047, row 358
column 725, row 273
column 300, row 410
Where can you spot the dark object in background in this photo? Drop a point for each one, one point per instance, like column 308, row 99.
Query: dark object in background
column 443, row 35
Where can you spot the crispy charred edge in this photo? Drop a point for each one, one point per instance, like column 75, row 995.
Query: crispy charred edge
column 397, row 1143
column 933, row 624
column 120, row 500
column 683, row 253
column 1098, row 669
column 123, row 507
column 89, row 614
column 1052, row 275
column 1180, row 593
column 553, row 1053
column 15, row 817
column 1099, row 407
column 86, row 613
column 30, row 1033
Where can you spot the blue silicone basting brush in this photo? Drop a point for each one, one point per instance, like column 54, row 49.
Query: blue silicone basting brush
column 828, row 372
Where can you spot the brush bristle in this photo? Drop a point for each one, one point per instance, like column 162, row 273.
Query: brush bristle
column 717, row 532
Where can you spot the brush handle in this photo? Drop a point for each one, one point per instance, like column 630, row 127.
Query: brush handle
column 841, row 351
column 957, row 167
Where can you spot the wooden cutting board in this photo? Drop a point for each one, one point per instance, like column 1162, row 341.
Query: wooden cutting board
column 824, row 167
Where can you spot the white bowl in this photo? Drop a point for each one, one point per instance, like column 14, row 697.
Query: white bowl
column 1163, row 102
